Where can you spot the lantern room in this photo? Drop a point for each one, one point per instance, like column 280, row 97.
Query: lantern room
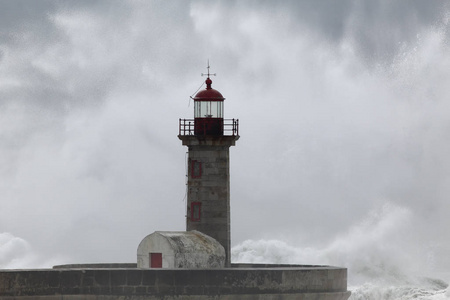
column 208, row 111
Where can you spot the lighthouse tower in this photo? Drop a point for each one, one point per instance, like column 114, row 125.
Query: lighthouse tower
column 208, row 137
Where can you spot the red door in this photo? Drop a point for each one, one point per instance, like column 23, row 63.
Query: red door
column 155, row 260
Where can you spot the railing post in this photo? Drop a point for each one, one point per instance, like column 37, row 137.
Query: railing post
column 233, row 128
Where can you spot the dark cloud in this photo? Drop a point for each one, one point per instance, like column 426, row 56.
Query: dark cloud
column 17, row 14
column 379, row 30
column 91, row 92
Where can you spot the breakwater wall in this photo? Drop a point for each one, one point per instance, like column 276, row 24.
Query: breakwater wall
column 107, row 282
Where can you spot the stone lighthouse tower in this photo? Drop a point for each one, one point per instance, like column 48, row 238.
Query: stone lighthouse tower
column 208, row 137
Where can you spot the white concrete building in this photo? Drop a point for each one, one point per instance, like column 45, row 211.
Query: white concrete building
column 180, row 249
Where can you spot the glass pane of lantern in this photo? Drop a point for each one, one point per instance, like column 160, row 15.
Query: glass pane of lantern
column 216, row 109
column 205, row 109
column 208, row 109
column 220, row 109
column 201, row 109
column 213, row 109
column 197, row 112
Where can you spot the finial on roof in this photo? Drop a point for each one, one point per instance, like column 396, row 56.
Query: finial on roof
column 208, row 81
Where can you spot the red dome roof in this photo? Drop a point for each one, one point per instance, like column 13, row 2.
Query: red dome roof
column 209, row 93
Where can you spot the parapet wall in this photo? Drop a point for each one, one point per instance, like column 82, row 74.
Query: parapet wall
column 318, row 283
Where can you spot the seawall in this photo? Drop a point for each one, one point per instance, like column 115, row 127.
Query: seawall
column 244, row 281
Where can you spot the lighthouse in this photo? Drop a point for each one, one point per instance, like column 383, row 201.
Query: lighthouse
column 208, row 137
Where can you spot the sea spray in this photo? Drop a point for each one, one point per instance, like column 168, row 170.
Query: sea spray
column 17, row 253
column 383, row 256
column 13, row 251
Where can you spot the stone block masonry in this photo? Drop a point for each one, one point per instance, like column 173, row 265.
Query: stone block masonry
column 238, row 282
column 208, row 193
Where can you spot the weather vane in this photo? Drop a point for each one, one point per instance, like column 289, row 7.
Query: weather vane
column 208, row 74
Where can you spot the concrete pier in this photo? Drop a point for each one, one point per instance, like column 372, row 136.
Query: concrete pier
column 245, row 281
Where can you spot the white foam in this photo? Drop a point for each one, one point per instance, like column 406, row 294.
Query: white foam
column 16, row 253
column 382, row 257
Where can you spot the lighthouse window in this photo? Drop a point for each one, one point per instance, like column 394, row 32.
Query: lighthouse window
column 196, row 169
column 196, row 211
column 196, row 109
column 218, row 109
column 208, row 109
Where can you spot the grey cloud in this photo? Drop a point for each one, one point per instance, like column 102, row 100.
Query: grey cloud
column 380, row 30
column 89, row 114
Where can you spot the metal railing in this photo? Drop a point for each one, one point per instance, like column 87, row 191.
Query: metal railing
column 187, row 127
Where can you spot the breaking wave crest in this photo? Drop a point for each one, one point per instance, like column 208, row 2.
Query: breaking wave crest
column 16, row 253
column 383, row 256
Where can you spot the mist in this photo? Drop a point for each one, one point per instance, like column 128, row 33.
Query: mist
column 344, row 116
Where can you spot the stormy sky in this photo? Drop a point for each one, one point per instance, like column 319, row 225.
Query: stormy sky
column 344, row 110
